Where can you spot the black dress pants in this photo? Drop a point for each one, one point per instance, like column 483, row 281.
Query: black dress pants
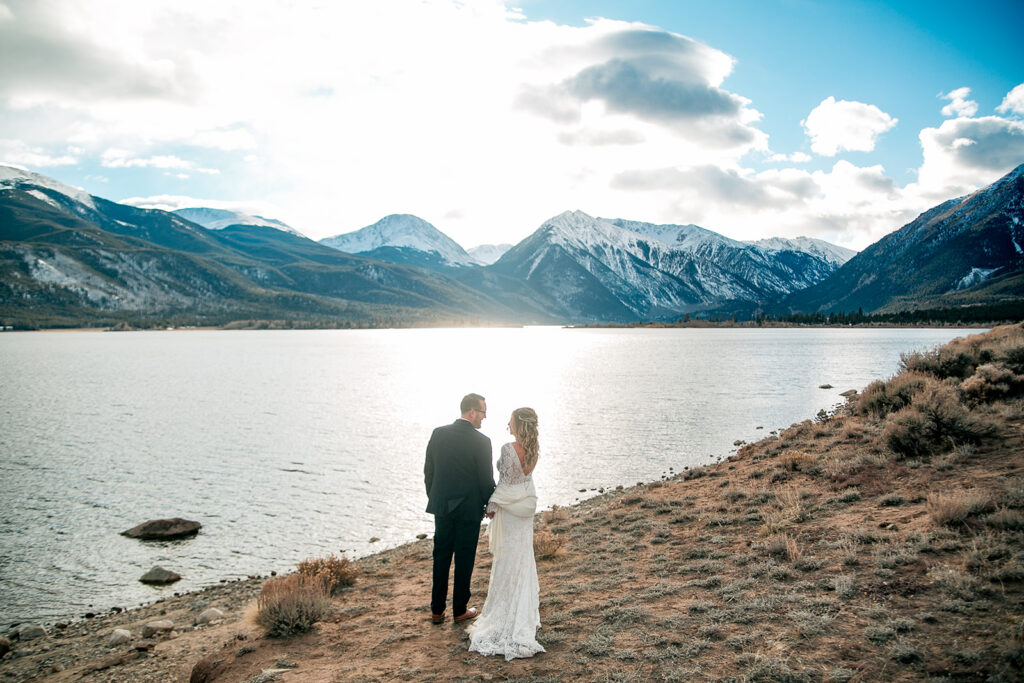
column 455, row 534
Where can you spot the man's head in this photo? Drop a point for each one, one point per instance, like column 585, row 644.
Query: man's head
column 474, row 409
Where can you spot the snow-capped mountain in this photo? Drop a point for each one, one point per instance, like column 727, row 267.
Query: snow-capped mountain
column 489, row 253
column 965, row 250
column 35, row 184
column 218, row 219
column 403, row 238
column 826, row 251
column 620, row 269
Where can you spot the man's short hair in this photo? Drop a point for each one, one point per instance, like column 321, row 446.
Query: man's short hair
column 471, row 402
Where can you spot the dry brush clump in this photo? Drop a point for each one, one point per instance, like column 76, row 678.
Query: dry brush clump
column 547, row 545
column 336, row 572
column 956, row 507
column 292, row 604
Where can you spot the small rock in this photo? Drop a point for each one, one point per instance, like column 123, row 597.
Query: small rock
column 156, row 627
column 825, row 386
column 849, row 393
column 57, row 668
column 209, row 616
column 5, row 645
column 31, row 632
column 21, row 652
column 421, row 536
column 120, row 636
column 373, row 539
column 164, row 529
column 159, row 575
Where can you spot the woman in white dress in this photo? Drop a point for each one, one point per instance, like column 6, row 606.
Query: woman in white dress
column 511, row 614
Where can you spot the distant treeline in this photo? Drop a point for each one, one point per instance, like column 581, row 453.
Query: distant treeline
column 982, row 314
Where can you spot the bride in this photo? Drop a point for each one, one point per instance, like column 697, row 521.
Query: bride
column 511, row 614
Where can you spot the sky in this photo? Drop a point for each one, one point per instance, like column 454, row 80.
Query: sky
column 752, row 118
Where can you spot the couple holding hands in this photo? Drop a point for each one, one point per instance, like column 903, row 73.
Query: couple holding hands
column 460, row 492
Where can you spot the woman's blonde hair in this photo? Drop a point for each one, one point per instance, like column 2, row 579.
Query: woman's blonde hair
column 524, row 428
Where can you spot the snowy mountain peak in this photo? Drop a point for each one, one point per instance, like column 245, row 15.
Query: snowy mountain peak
column 403, row 231
column 14, row 177
column 488, row 253
column 832, row 253
column 218, row 219
column 687, row 237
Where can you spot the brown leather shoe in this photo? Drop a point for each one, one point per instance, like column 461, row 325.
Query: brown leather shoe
column 470, row 613
column 437, row 618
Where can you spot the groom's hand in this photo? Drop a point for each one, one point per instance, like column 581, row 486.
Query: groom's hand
column 489, row 515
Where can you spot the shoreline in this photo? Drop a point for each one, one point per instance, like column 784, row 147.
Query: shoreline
column 826, row 552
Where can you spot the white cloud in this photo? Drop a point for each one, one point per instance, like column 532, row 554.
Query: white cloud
column 959, row 105
column 963, row 154
column 170, row 202
column 834, row 126
column 120, row 158
column 1013, row 103
column 795, row 157
column 17, row 153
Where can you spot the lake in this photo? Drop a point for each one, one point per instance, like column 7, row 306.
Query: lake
column 291, row 444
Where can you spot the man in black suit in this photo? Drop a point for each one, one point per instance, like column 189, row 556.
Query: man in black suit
column 459, row 478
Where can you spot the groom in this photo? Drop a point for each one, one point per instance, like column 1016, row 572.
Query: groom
column 459, row 480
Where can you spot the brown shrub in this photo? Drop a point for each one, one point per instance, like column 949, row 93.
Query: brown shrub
column 291, row 604
column 956, row 507
column 336, row 572
column 795, row 461
column 547, row 545
column 991, row 382
column 957, row 359
column 881, row 398
column 555, row 514
column 935, row 421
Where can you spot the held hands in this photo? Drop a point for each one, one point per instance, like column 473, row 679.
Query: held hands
column 489, row 515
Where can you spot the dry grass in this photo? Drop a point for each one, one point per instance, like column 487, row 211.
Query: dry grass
column 337, row 573
column 796, row 461
column 290, row 605
column 547, row 545
column 956, row 507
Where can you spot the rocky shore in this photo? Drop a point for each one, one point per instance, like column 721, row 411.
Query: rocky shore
column 883, row 542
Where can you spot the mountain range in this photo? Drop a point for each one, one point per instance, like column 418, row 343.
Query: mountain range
column 67, row 257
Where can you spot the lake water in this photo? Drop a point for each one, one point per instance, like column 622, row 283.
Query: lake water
column 290, row 444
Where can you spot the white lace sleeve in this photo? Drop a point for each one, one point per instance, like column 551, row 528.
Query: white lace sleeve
column 509, row 471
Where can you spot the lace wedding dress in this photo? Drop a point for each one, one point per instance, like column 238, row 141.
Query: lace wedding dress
column 510, row 617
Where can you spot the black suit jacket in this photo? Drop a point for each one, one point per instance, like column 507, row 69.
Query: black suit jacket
column 458, row 471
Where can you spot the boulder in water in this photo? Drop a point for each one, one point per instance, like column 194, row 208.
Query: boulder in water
column 160, row 576
column 162, row 529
